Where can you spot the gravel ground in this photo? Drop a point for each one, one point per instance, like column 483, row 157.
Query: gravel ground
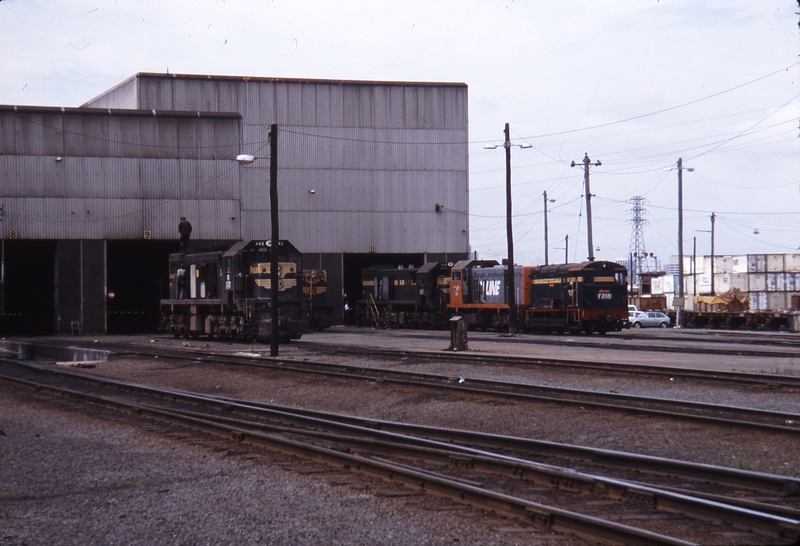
column 554, row 422
column 71, row 477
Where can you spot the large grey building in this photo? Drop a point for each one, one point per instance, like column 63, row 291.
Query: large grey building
column 368, row 172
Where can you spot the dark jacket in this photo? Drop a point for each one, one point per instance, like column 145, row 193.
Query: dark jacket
column 184, row 228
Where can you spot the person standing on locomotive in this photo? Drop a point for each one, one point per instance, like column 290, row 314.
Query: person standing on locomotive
column 185, row 229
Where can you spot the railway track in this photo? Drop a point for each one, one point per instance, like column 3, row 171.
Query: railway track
column 721, row 415
column 687, row 342
column 771, row 381
column 492, row 472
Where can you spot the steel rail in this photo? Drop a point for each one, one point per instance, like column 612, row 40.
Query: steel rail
column 687, row 410
column 749, row 518
column 758, row 481
column 541, row 474
column 616, row 341
column 753, row 480
column 771, row 380
column 609, row 401
column 541, row 515
column 742, row 378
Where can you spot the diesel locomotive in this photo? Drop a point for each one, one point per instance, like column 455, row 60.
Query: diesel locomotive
column 227, row 294
column 414, row 297
column 579, row 297
column 588, row 297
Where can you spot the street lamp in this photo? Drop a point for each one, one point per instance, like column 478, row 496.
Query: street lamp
column 546, row 244
column 511, row 293
column 246, row 159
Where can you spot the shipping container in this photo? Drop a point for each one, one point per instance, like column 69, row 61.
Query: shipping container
column 791, row 262
column 722, row 282
column 777, row 301
column 756, row 263
column 738, row 264
column 776, row 282
column 756, row 282
column 723, row 264
column 775, row 263
column 759, row 301
column 739, row 280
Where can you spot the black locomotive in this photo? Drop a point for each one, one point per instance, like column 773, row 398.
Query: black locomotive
column 588, row 297
column 413, row 297
column 227, row 294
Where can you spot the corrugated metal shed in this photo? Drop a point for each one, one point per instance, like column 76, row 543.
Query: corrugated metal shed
column 379, row 156
column 78, row 173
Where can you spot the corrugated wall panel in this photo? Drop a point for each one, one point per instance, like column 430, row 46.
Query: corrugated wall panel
column 379, row 157
column 268, row 106
column 123, row 95
column 256, row 225
column 81, row 218
column 105, row 135
column 159, row 97
column 367, row 149
column 254, row 186
column 33, row 176
column 323, row 113
column 229, row 97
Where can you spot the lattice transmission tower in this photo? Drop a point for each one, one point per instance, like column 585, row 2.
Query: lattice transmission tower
column 638, row 261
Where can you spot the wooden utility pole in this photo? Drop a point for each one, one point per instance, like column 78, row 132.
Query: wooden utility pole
column 586, row 164
column 510, row 289
column 273, row 258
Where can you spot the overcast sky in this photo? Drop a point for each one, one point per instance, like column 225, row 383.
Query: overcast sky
column 636, row 84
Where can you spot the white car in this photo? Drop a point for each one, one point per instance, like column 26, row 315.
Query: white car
column 643, row 319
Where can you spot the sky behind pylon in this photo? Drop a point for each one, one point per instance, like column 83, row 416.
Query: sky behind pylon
column 636, row 84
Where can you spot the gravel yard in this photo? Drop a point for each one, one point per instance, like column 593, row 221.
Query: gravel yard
column 74, row 477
